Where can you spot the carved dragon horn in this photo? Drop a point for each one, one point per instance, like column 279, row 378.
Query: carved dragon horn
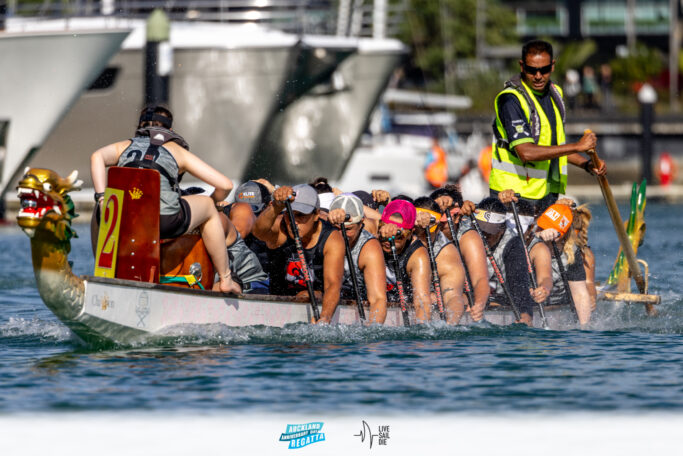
column 73, row 181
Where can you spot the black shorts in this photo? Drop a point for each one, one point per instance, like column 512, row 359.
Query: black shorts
column 539, row 205
column 174, row 225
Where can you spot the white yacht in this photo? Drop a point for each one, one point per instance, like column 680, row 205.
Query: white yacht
column 43, row 74
column 250, row 100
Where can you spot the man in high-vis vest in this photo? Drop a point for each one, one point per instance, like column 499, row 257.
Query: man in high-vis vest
column 529, row 151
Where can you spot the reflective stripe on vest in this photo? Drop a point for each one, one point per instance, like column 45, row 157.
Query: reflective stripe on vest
column 530, row 179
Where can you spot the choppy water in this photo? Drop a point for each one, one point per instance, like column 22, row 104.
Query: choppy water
column 628, row 363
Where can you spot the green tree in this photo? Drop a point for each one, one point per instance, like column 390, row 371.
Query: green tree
column 431, row 25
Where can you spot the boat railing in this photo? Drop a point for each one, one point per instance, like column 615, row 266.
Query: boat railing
column 356, row 18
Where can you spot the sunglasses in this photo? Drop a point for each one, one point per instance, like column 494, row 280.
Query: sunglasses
column 400, row 234
column 532, row 70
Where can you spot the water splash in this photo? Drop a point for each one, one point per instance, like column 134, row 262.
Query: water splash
column 44, row 331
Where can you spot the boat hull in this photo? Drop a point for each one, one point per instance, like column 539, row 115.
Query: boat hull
column 126, row 312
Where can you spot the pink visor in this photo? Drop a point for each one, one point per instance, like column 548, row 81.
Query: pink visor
column 403, row 208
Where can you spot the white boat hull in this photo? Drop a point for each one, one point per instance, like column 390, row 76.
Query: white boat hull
column 127, row 312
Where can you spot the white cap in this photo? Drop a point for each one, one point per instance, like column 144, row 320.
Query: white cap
column 352, row 205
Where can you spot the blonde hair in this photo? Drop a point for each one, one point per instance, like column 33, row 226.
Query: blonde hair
column 578, row 234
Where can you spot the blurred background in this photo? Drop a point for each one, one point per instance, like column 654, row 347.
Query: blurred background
column 393, row 94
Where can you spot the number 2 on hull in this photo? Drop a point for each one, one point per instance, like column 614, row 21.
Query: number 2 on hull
column 108, row 237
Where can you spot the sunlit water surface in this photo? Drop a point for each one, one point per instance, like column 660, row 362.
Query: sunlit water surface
column 627, row 363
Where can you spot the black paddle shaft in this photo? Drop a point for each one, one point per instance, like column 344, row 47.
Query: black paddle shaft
column 454, row 235
column 302, row 259
column 530, row 268
column 565, row 280
column 496, row 270
column 435, row 275
column 399, row 283
column 352, row 269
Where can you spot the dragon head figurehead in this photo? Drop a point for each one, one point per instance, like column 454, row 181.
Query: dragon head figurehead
column 45, row 203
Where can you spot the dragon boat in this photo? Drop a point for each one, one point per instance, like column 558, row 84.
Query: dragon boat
column 126, row 301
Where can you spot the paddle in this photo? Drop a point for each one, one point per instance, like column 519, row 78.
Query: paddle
column 436, row 282
column 399, row 283
column 302, row 259
column 530, row 268
column 563, row 273
column 352, row 269
column 496, row 270
column 626, row 246
column 468, row 288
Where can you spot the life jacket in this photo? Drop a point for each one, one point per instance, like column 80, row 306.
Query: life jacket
column 347, row 286
column 531, row 179
column 286, row 275
column 390, row 266
column 142, row 154
column 558, row 295
column 436, row 168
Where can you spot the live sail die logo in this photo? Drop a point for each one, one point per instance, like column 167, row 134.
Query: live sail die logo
column 301, row 435
column 366, row 433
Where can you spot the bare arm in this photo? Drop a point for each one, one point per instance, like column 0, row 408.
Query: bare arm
column 267, row 226
column 243, row 218
column 420, row 279
column 452, row 278
column 103, row 158
column 589, row 267
column 371, row 264
column 333, row 266
column 582, row 300
column 530, row 151
column 542, row 262
column 472, row 249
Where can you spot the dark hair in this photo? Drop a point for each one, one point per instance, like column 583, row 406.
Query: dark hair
column 492, row 204
column 451, row 190
column 525, row 208
column 535, row 47
column 404, row 198
column 366, row 198
column 155, row 116
column 425, row 202
column 320, row 185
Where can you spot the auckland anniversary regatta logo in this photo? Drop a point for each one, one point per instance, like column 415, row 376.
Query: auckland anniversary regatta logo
column 300, row 435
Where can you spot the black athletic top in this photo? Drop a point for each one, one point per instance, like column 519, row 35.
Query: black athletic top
column 286, row 276
column 403, row 257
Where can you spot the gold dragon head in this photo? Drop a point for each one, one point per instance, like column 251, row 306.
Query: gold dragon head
column 45, row 203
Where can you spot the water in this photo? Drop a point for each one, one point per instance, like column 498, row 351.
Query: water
column 627, row 363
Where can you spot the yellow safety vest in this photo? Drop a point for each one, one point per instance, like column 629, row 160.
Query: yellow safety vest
column 530, row 179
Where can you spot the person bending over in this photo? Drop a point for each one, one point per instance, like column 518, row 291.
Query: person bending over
column 366, row 253
column 556, row 222
column 398, row 221
column 448, row 264
column 322, row 243
column 508, row 253
column 472, row 250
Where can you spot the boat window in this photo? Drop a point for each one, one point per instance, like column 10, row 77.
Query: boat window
column 106, row 79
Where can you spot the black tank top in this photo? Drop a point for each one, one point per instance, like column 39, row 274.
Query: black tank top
column 286, row 277
column 403, row 257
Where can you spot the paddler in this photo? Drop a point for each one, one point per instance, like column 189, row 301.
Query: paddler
column 530, row 154
column 470, row 244
column 448, row 263
column 156, row 146
column 366, row 253
column 508, row 253
column 557, row 221
column 322, row 243
column 398, row 222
